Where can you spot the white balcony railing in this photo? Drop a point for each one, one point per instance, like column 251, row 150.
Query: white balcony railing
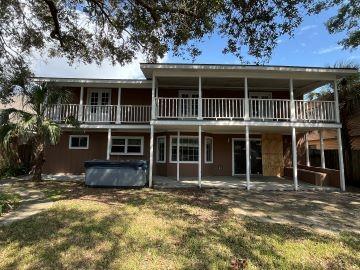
column 269, row 109
column 188, row 108
column 61, row 112
column 223, row 108
column 101, row 113
column 234, row 108
column 135, row 113
column 323, row 111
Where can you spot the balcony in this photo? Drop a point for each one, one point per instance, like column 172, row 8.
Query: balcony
column 191, row 109
column 130, row 114
column 234, row 109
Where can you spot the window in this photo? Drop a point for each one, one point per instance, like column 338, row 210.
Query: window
column 208, row 150
column 127, row 145
column 78, row 142
column 161, row 149
column 188, row 150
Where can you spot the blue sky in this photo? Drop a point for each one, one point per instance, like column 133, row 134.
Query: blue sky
column 311, row 45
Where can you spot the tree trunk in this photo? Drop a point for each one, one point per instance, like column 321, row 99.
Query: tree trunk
column 38, row 162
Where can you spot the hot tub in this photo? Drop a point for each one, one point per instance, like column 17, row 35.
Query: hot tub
column 106, row 173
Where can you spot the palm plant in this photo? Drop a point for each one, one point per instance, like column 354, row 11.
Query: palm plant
column 31, row 125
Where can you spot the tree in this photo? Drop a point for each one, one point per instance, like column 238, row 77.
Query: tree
column 32, row 126
column 347, row 19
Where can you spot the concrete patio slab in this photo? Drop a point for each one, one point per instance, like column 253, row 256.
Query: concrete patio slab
column 268, row 183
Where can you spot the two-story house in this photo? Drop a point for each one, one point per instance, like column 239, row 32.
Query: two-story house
column 196, row 120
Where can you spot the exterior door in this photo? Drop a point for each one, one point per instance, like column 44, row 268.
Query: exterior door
column 188, row 104
column 239, row 156
column 98, row 99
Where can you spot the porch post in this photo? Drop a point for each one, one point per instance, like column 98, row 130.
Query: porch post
column 341, row 160
column 294, row 158
column 81, row 104
column 108, row 144
column 292, row 101
column 178, row 156
column 248, row 168
column 118, row 108
column 307, row 149
column 336, row 98
column 246, row 96
column 322, row 154
column 200, row 112
column 151, row 158
column 199, row 158
column 153, row 97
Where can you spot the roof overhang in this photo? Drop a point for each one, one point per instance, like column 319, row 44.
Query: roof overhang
column 87, row 82
column 250, row 71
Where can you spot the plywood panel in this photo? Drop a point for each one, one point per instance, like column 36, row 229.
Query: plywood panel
column 272, row 155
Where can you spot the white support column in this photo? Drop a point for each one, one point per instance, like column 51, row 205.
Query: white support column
column 248, row 167
column 336, row 98
column 178, row 156
column 151, row 157
column 199, row 159
column 294, row 158
column 200, row 112
column 81, row 104
column 118, row 108
column 292, row 101
column 153, row 108
column 108, row 151
column 307, row 149
column 341, row 160
column 246, row 99
column 322, row 153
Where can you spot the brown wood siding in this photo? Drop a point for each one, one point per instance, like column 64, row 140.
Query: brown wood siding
column 61, row 159
column 136, row 96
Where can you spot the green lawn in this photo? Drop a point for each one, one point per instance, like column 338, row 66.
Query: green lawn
column 8, row 201
column 179, row 229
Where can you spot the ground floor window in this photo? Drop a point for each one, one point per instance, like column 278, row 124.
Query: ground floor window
column 208, row 150
column 78, row 142
column 160, row 149
column 127, row 145
column 188, row 149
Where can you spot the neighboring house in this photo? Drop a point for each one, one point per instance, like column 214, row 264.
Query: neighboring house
column 242, row 119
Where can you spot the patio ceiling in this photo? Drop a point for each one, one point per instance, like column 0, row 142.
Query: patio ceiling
column 254, row 84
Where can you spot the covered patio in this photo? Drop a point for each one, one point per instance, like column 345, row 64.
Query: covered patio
column 258, row 182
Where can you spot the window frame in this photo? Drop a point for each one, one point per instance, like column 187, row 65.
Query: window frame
column 157, row 149
column 171, row 145
column 212, row 150
column 126, row 138
column 80, row 147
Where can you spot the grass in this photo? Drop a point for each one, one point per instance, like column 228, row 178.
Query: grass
column 179, row 229
column 8, row 201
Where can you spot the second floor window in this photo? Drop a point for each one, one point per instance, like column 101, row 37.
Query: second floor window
column 188, row 149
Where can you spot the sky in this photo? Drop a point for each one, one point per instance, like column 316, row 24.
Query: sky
column 311, row 45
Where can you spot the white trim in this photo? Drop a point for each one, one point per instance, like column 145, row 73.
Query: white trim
column 170, row 149
column 108, row 149
column 233, row 154
column 322, row 153
column 294, row 158
column 79, row 136
column 199, row 157
column 157, row 149
column 151, row 156
column 248, row 161
column 126, row 146
column 212, row 150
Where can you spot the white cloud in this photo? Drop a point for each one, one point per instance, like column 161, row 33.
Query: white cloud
column 308, row 27
column 58, row 67
column 303, row 44
column 328, row 50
